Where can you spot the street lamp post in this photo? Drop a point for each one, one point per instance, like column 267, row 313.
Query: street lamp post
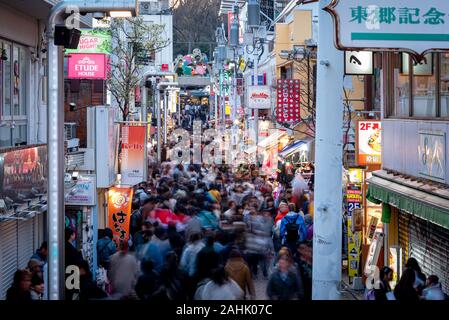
column 55, row 130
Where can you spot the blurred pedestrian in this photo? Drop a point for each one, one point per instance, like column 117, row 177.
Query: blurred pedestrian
column 123, row 272
column 283, row 283
column 20, row 288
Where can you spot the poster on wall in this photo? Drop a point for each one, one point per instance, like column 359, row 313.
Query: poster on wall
column 259, row 97
column 288, row 101
column 354, row 246
column 119, row 212
column 23, row 174
column 83, row 193
column 133, row 154
column 369, row 142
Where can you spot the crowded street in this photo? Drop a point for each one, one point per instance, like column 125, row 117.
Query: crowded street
column 186, row 151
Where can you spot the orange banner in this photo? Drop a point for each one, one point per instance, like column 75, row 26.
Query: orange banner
column 119, row 212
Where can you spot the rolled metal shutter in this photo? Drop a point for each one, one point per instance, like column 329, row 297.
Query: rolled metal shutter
column 26, row 242
column 8, row 255
column 428, row 243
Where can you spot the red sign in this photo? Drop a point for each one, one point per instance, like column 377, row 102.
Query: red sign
column 288, row 101
column 164, row 67
column 87, row 66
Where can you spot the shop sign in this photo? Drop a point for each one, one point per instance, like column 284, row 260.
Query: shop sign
column 432, row 155
column 359, row 63
column 374, row 252
column 354, row 246
column 259, row 97
column 395, row 262
column 369, row 142
column 402, row 25
column 288, row 101
column 83, row 193
column 354, row 193
column 119, row 212
column 372, row 226
column 87, row 66
column 93, row 41
column 133, row 154
column 355, row 175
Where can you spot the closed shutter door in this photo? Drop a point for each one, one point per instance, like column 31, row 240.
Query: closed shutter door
column 8, row 255
column 26, row 242
column 428, row 243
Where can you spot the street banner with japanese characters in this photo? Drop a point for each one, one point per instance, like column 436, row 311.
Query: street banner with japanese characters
column 133, row 154
column 119, row 212
column 416, row 26
column 369, row 142
column 288, row 101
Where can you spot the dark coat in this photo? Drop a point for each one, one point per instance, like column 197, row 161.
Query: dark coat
column 290, row 289
column 146, row 285
column 14, row 294
column 89, row 290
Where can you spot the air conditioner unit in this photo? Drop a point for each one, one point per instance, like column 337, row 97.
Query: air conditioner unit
column 69, row 131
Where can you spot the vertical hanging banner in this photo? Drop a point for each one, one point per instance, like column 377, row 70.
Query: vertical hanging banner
column 369, row 142
column 288, row 101
column 133, row 154
column 119, row 212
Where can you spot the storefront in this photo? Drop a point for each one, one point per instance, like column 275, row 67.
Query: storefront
column 416, row 223
column 23, row 203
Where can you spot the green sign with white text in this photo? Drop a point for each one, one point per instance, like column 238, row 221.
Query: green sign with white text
column 411, row 25
column 93, row 41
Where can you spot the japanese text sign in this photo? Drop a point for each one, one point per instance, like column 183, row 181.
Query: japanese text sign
column 369, row 143
column 288, row 101
column 133, row 154
column 93, row 41
column 84, row 191
column 259, row 97
column 410, row 25
column 87, row 66
column 119, row 212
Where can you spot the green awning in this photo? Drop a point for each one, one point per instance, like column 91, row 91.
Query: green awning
column 413, row 201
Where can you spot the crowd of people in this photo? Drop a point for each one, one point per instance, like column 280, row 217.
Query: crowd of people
column 193, row 111
column 413, row 285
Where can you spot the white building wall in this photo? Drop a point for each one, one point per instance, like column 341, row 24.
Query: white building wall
column 164, row 56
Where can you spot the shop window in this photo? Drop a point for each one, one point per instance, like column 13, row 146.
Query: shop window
column 402, row 94
column 424, row 88
column 13, row 95
column 444, row 85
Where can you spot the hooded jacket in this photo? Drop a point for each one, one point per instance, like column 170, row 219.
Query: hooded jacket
column 238, row 271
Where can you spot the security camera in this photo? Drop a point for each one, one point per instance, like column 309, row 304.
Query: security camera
column 98, row 15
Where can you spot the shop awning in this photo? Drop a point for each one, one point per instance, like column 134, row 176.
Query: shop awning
column 413, row 201
column 271, row 140
column 292, row 148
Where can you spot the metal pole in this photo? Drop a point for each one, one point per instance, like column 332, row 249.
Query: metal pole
column 55, row 145
column 165, row 116
column 327, row 225
column 158, row 112
column 256, row 111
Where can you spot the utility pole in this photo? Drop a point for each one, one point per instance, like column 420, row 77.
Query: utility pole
column 327, row 227
column 165, row 116
column 255, row 110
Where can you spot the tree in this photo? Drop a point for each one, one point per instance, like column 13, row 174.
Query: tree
column 133, row 41
column 194, row 25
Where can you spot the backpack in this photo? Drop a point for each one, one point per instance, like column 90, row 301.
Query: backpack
column 292, row 230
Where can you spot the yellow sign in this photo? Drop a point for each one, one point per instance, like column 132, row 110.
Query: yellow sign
column 228, row 109
column 354, row 244
column 355, row 175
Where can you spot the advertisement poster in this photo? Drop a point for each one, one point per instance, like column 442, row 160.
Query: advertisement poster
column 133, row 154
column 119, row 212
column 259, row 97
column 355, row 175
column 369, row 142
column 354, row 245
column 23, row 174
column 83, row 193
column 288, row 101
column 87, row 66
column 93, row 41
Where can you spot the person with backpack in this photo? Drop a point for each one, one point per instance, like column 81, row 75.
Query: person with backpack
column 106, row 248
column 293, row 230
